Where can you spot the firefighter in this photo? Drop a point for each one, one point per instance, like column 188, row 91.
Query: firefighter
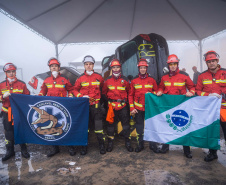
column 60, row 86
column 140, row 85
column 89, row 85
column 116, row 89
column 175, row 82
column 212, row 82
column 8, row 86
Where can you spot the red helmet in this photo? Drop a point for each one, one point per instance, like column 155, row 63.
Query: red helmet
column 172, row 59
column 9, row 66
column 211, row 55
column 53, row 61
column 142, row 62
column 115, row 62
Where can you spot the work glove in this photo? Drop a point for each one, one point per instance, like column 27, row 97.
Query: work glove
column 215, row 94
column 5, row 95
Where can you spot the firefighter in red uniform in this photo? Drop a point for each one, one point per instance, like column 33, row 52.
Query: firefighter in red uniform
column 212, row 82
column 140, row 85
column 175, row 82
column 11, row 85
column 89, row 85
column 116, row 89
column 56, row 85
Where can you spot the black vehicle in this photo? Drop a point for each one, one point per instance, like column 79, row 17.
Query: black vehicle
column 36, row 81
column 106, row 64
column 152, row 47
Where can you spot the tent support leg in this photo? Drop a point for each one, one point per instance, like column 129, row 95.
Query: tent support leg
column 200, row 55
column 56, row 49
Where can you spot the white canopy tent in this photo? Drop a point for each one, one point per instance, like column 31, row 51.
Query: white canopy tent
column 79, row 21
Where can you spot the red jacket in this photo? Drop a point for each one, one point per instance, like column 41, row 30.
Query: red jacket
column 89, row 85
column 116, row 89
column 17, row 87
column 138, row 88
column 209, row 82
column 176, row 84
column 58, row 86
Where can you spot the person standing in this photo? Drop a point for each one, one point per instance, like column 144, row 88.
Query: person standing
column 195, row 75
column 176, row 82
column 212, row 82
column 8, row 86
column 60, row 86
column 116, row 89
column 140, row 85
column 89, row 85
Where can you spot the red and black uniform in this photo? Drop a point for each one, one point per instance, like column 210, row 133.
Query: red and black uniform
column 177, row 85
column 209, row 82
column 138, row 88
column 59, row 86
column 91, row 86
column 116, row 90
column 17, row 87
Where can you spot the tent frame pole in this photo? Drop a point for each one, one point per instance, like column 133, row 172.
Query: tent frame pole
column 200, row 54
column 56, row 49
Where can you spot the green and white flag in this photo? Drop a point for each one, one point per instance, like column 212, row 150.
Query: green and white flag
column 181, row 120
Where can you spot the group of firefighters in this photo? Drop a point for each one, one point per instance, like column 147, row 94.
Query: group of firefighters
column 124, row 98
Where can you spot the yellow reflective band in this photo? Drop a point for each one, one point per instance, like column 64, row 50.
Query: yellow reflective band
column 121, row 88
column 84, row 84
column 167, row 83
column 179, row 84
column 5, row 109
column 60, row 86
column 70, row 95
column 137, row 86
column 3, row 92
column 111, row 137
column 40, row 94
column 95, row 83
column 17, row 90
column 224, row 104
column 207, row 82
column 220, row 81
column 99, row 131
column 111, row 87
column 78, row 94
column 138, row 105
column 192, row 91
column 7, row 141
column 49, row 86
column 202, row 94
column 148, row 86
column 131, row 105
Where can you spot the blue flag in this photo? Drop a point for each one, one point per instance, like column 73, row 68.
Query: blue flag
column 50, row 120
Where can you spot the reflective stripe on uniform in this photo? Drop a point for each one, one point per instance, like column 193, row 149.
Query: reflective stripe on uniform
column 138, row 104
column 121, row 88
column 3, row 92
column 179, row 83
column 131, row 105
column 17, row 90
column 99, row 131
column 49, row 86
column 95, row 83
column 4, row 109
column 223, row 104
column 148, row 86
column 113, row 104
column 137, row 86
column 78, row 94
column 221, row 81
column 60, row 86
column 111, row 87
column 167, row 83
column 85, row 84
column 207, row 82
column 202, row 94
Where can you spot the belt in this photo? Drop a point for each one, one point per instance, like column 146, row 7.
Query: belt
column 118, row 100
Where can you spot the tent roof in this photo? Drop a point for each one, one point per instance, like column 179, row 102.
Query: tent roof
column 76, row 21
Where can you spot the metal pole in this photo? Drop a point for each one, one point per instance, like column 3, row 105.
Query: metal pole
column 56, row 49
column 200, row 55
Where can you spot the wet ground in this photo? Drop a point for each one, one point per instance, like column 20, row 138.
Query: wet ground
column 116, row 167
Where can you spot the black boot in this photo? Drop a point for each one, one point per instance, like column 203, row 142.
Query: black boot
column 24, row 151
column 9, row 151
column 153, row 146
column 54, row 151
column 140, row 146
column 102, row 146
column 164, row 149
column 211, row 156
column 128, row 144
column 110, row 145
column 187, row 152
column 71, row 150
column 83, row 150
